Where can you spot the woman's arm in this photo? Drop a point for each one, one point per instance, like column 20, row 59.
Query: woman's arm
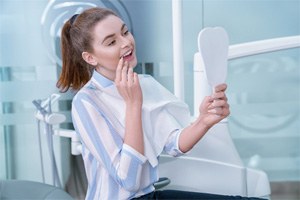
column 213, row 109
column 106, row 146
column 128, row 85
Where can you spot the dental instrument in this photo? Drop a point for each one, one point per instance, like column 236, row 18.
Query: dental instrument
column 44, row 114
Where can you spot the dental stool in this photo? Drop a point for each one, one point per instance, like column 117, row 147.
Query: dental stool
column 19, row 189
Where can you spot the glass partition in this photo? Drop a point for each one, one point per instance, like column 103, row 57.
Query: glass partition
column 264, row 92
column 26, row 74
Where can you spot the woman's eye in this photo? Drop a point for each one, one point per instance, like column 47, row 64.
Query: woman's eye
column 112, row 43
column 126, row 32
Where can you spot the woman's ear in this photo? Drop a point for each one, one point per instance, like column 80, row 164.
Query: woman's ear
column 89, row 58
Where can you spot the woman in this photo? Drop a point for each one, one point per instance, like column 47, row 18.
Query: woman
column 112, row 112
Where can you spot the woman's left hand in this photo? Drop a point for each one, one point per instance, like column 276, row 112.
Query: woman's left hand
column 214, row 108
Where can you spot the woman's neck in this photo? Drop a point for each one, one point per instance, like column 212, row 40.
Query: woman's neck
column 106, row 73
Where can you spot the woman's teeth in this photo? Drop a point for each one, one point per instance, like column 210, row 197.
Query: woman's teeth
column 127, row 54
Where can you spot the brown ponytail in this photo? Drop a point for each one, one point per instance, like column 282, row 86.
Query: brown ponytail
column 76, row 37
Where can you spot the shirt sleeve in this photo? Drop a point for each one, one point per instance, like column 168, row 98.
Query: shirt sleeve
column 172, row 144
column 121, row 161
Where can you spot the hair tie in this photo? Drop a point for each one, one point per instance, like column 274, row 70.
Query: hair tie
column 73, row 18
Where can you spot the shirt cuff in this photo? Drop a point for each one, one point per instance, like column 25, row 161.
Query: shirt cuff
column 178, row 151
column 134, row 153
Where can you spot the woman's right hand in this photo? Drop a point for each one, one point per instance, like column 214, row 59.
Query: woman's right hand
column 128, row 85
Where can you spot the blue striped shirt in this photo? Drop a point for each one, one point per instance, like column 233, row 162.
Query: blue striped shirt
column 114, row 170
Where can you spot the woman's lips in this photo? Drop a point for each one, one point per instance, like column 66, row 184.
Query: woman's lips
column 128, row 56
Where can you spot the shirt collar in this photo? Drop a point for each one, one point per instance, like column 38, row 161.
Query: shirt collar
column 102, row 80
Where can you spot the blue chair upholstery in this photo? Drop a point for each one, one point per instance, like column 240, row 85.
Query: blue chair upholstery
column 19, row 189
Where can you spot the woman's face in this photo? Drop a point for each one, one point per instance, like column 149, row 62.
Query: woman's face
column 112, row 41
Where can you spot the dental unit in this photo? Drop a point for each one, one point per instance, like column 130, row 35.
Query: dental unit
column 44, row 114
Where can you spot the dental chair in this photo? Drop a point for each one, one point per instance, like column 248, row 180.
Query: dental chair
column 213, row 165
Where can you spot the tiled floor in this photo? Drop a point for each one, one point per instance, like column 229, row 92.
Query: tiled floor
column 285, row 191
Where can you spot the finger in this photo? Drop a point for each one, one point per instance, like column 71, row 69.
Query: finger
column 119, row 70
column 208, row 99
column 223, row 111
column 130, row 75
column 217, row 103
column 218, row 95
column 226, row 112
column 124, row 72
column 221, row 87
column 205, row 104
column 216, row 111
column 135, row 77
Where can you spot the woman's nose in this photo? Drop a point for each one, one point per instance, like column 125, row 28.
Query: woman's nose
column 125, row 42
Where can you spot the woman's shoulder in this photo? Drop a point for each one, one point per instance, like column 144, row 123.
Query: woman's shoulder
column 84, row 93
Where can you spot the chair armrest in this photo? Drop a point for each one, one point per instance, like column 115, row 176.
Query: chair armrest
column 162, row 182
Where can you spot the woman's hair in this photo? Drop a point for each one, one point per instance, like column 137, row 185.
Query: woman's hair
column 77, row 37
